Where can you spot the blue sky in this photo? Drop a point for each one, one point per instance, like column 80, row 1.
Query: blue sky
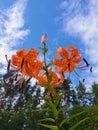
column 66, row 22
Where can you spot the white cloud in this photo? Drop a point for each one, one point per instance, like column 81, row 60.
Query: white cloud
column 11, row 28
column 80, row 18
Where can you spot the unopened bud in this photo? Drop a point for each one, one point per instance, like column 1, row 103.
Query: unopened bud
column 44, row 38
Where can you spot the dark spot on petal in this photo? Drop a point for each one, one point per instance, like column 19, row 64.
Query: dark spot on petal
column 22, row 63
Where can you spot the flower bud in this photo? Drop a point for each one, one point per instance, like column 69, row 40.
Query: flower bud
column 44, row 39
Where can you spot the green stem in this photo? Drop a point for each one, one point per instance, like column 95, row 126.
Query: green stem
column 51, row 98
column 49, row 87
column 57, row 123
column 45, row 60
column 56, row 119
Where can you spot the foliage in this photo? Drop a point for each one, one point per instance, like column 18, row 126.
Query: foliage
column 25, row 114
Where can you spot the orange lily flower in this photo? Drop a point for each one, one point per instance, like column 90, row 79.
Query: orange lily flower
column 26, row 62
column 70, row 57
column 42, row 79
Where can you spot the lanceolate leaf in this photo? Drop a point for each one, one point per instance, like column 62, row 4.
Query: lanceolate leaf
column 38, row 110
column 63, row 121
column 49, row 126
column 44, row 50
column 57, row 101
column 50, row 64
column 48, row 119
column 75, row 115
column 54, row 110
column 62, row 109
column 79, row 123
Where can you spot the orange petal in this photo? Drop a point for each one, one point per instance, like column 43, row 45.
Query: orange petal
column 59, row 63
column 62, row 64
column 16, row 60
column 61, row 79
column 76, row 59
column 42, row 79
column 31, row 55
column 69, row 48
column 57, row 81
column 74, row 55
column 21, row 53
column 62, row 52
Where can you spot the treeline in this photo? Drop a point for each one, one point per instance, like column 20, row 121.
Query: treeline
column 24, row 107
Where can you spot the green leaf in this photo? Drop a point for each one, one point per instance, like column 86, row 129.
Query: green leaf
column 63, row 121
column 50, row 77
column 61, row 109
column 59, row 98
column 79, row 123
column 48, row 119
column 43, row 50
column 49, row 126
column 57, row 101
column 51, row 63
column 75, row 115
column 54, row 110
column 38, row 110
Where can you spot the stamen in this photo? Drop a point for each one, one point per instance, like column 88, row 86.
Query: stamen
column 91, row 69
column 10, row 62
column 86, row 62
column 81, row 67
column 77, row 74
column 4, row 82
column 8, row 67
column 83, row 80
column 11, row 80
column 19, row 83
column 27, row 82
column 16, row 77
column 6, row 58
column 68, row 80
column 69, row 66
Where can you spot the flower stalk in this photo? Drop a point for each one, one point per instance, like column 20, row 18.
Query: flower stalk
column 52, row 98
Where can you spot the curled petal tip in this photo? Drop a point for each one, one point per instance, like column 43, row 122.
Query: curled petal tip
column 59, row 49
